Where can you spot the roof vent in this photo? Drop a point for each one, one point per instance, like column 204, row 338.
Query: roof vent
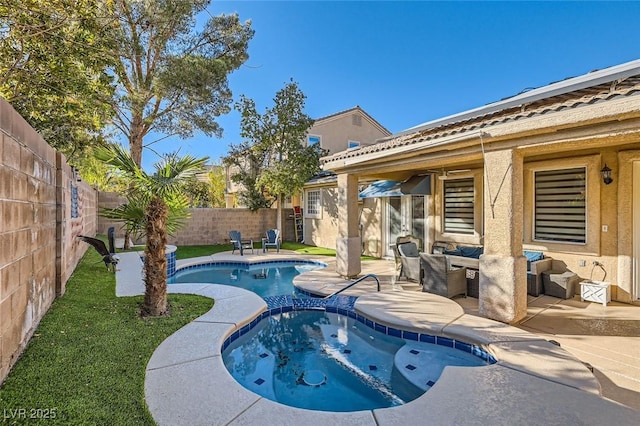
column 356, row 120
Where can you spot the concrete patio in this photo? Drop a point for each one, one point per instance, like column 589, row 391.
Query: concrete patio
column 548, row 379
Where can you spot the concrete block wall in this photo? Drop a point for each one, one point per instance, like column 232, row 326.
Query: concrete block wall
column 209, row 226
column 212, row 226
column 38, row 250
column 109, row 200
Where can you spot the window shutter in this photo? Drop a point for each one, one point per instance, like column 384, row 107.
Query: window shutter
column 459, row 206
column 560, row 205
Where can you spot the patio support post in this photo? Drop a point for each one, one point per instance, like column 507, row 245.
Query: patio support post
column 503, row 268
column 348, row 244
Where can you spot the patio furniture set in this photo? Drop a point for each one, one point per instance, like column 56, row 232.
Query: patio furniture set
column 451, row 270
column 270, row 240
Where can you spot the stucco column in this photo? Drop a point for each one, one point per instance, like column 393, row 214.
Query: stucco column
column 348, row 244
column 503, row 268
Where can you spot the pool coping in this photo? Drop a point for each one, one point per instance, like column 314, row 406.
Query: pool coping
column 533, row 381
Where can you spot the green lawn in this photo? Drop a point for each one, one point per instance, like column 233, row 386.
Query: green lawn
column 86, row 361
column 185, row 252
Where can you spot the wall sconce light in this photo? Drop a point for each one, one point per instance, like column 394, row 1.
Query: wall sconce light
column 606, row 175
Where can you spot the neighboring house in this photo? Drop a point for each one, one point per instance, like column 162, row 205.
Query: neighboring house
column 345, row 130
column 527, row 172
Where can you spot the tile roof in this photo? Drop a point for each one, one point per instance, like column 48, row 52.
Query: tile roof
column 519, row 107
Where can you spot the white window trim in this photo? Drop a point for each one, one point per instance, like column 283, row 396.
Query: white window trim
column 307, row 211
column 353, row 147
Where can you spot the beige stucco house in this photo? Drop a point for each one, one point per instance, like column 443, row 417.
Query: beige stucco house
column 525, row 173
column 345, row 130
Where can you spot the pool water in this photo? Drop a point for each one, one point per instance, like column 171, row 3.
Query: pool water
column 264, row 279
column 324, row 361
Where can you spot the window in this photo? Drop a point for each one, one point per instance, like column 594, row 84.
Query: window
column 314, row 139
column 314, row 205
column 459, row 206
column 560, row 205
column 353, row 144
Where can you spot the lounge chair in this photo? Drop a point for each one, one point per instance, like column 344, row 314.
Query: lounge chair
column 109, row 260
column 440, row 278
column 272, row 240
column 410, row 261
column 235, row 238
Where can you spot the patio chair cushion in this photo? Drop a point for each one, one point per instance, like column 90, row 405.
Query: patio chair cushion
column 409, row 260
column 408, row 249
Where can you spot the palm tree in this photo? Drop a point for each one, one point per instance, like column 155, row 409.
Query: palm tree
column 164, row 205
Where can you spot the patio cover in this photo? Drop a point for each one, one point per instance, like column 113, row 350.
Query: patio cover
column 415, row 185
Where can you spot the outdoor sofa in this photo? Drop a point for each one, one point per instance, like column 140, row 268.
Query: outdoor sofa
column 468, row 256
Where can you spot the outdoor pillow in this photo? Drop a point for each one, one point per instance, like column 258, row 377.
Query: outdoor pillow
column 454, row 252
column 532, row 256
column 472, row 252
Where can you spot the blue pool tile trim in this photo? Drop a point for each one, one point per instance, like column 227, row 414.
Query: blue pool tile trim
column 345, row 305
column 445, row 341
column 172, row 268
column 394, row 332
column 171, row 263
column 427, row 338
column 410, row 335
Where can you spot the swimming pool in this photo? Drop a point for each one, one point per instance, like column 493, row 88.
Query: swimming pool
column 325, row 361
column 263, row 278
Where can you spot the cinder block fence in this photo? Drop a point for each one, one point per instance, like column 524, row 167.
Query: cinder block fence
column 44, row 206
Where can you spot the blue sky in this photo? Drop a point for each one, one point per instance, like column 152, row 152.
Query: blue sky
column 408, row 62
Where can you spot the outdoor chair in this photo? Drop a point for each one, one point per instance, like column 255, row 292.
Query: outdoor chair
column 109, row 260
column 272, row 240
column 409, row 260
column 235, row 238
column 438, row 277
column 400, row 240
column 111, row 234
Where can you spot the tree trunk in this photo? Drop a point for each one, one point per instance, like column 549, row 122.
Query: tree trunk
column 279, row 217
column 127, row 237
column 135, row 139
column 155, row 262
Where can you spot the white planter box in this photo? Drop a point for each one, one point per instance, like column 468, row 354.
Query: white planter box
column 596, row 291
